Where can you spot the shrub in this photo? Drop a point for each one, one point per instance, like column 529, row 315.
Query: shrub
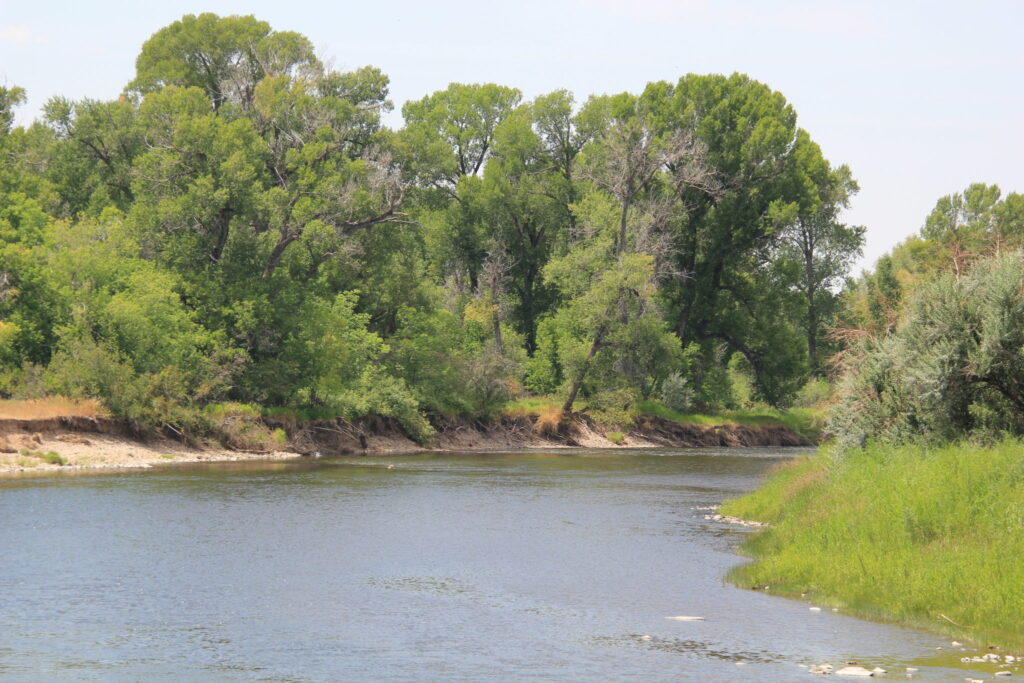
column 953, row 366
column 614, row 407
column 677, row 393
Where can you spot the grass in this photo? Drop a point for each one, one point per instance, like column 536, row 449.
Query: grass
column 51, row 457
column 615, row 437
column 808, row 422
column 54, row 406
column 925, row 537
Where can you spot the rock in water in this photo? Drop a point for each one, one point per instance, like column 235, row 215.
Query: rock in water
column 686, row 618
column 854, row 671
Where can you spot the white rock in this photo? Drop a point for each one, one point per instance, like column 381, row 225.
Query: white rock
column 645, row 637
column 956, row 644
column 879, row 670
column 686, row 618
column 854, row 671
column 815, row 609
column 911, row 669
column 1003, row 673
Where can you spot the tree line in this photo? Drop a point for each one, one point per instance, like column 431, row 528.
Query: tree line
column 239, row 225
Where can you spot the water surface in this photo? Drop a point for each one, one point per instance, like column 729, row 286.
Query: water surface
column 528, row 566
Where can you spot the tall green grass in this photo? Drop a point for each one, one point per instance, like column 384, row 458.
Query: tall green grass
column 926, row 536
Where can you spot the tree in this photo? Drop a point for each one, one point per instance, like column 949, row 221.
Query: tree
column 225, row 57
column 815, row 238
column 9, row 99
column 100, row 141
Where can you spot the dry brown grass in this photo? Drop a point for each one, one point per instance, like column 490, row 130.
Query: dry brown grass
column 55, row 406
column 549, row 419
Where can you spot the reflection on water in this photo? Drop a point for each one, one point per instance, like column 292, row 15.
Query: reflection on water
column 524, row 566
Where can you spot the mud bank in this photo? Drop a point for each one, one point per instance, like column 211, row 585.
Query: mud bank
column 61, row 443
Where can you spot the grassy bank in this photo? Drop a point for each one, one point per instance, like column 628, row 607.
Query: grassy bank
column 927, row 537
column 808, row 422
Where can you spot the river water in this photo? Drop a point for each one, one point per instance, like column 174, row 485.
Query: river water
column 530, row 566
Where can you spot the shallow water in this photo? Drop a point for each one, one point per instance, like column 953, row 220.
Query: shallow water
column 520, row 566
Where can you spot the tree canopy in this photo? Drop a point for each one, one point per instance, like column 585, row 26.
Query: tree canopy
column 240, row 225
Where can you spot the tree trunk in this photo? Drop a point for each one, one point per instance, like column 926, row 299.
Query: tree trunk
column 812, row 333
column 581, row 375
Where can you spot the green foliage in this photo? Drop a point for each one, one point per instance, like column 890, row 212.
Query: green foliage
column 616, row 438
column 905, row 533
column 953, row 366
column 240, row 228
column 677, row 394
column 50, row 457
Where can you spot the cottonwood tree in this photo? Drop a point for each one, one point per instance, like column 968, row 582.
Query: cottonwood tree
column 814, row 237
column 225, row 57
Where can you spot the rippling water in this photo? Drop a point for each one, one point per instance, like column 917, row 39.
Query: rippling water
column 500, row 566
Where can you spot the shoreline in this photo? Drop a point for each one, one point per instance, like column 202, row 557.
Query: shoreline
column 82, row 444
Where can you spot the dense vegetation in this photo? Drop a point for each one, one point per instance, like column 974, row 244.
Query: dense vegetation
column 916, row 511
column 240, row 226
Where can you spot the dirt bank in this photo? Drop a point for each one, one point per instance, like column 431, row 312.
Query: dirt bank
column 60, row 443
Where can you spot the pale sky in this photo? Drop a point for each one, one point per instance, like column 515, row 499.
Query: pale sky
column 918, row 98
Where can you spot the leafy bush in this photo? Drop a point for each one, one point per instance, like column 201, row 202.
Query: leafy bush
column 677, row 394
column 614, row 407
column 953, row 366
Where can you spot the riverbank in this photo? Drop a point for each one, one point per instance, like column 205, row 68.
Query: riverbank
column 77, row 441
column 927, row 537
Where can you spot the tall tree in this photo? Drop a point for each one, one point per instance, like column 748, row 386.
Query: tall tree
column 225, row 57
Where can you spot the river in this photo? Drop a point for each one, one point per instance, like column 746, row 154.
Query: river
column 529, row 566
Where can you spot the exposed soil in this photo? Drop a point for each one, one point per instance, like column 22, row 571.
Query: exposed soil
column 97, row 442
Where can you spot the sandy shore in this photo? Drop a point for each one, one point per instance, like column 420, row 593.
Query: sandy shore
column 85, row 451
column 67, row 443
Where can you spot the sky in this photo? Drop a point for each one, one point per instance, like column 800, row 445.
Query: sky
column 919, row 98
